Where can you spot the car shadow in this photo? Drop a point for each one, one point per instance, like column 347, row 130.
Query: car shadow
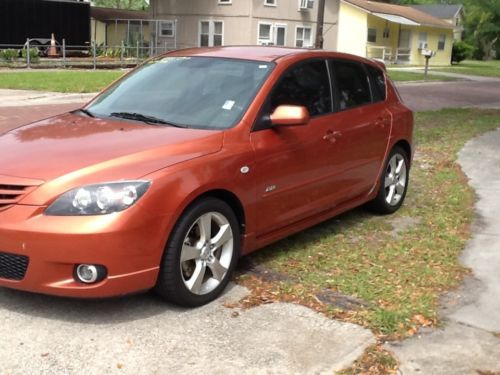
column 298, row 241
column 94, row 311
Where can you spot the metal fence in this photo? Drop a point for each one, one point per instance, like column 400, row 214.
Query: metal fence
column 91, row 56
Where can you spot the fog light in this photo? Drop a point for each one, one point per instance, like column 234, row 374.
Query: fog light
column 90, row 273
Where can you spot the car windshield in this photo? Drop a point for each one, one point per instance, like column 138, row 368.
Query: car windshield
column 193, row 92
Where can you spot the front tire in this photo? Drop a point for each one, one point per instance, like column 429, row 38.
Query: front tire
column 200, row 255
column 393, row 183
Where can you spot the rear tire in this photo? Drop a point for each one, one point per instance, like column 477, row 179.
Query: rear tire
column 200, row 255
column 393, row 183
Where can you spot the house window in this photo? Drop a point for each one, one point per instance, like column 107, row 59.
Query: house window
column 167, row 28
column 223, row 2
column 211, row 33
column 270, row 3
column 271, row 34
column 264, row 33
column 441, row 42
column 306, row 4
column 387, row 33
column 422, row 41
column 303, row 37
column 372, row 35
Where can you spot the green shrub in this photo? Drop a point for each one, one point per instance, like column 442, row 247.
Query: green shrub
column 9, row 54
column 34, row 54
column 461, row 51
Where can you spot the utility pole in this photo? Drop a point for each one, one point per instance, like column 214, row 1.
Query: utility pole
column 320, row 24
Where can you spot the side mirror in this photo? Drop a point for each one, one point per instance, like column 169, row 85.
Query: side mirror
column 290, row 115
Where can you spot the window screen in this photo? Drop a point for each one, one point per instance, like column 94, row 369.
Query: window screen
column 306, row 85
column 352, row 84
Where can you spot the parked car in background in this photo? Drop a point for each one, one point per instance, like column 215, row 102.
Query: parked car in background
column 192, row 160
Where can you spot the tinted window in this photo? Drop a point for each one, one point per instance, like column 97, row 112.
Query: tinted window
column 377, row 81
column 352, row 84
column 306, row 85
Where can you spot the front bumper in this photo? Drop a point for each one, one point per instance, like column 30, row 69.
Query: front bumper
column 129, row 244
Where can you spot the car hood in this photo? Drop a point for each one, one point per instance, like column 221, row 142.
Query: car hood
column 75, row 146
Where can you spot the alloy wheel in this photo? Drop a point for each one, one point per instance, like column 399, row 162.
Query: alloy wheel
column 395, row 179
column 206, row 253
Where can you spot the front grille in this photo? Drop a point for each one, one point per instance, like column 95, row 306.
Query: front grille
column 13, row 267
column 11, row 194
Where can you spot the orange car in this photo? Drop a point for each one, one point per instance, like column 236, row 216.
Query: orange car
column 191, row 160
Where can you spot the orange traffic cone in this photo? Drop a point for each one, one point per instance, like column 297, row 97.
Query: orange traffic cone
column 52, row 48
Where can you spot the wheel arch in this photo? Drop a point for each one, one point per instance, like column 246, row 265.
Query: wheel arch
column 405, row 145
column 231, row 199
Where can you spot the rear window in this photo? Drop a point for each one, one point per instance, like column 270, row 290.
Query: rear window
column 352, row 84
column 377, row 81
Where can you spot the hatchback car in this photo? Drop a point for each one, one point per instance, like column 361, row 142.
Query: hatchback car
column 192, row 160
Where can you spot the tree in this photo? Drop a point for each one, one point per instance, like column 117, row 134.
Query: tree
column 122, row 4
column 483, row 26
column 461, row 51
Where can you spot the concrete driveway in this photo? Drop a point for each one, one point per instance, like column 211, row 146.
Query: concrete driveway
column 142, row 335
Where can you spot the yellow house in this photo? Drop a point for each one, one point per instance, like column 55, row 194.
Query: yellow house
column 454, row 14
column 394, row 33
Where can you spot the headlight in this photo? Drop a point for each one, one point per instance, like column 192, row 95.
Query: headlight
column 100, row 199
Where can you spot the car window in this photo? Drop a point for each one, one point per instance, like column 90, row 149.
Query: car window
column 306, row 85
column 351, row 84
column 377, row 80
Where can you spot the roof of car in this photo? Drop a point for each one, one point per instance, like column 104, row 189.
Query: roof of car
column 258, row 53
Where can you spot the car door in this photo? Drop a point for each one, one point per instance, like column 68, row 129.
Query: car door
column 361, row 126
column 291, row 162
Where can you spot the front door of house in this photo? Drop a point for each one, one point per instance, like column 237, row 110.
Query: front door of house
column 404, row 39
column 279, row 35
column 404, row 46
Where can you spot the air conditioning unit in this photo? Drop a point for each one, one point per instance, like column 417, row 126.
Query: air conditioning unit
column 423, row 45
column 306, row 4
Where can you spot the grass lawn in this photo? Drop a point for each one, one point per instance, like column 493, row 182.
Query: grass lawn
column 79, row 81
column 402, row 76
column 477, row 68
column 82, row 81
column 395, row 266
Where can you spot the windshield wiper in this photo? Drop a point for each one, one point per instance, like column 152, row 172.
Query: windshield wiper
column 87, row 112
column 143, row 118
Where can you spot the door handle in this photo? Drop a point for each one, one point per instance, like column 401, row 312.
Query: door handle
column 332, row 136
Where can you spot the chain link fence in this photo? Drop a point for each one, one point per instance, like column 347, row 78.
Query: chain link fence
column 93, row 56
